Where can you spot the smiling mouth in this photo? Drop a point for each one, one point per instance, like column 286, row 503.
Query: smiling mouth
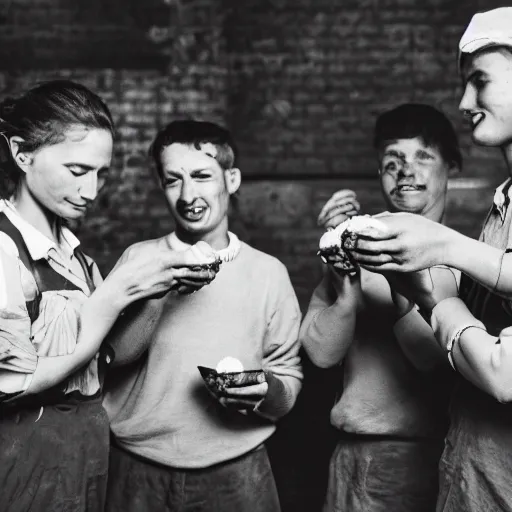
column 80, row 206
column 410, row 188
column 476, row 119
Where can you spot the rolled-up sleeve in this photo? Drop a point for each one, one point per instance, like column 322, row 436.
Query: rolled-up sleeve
column 18, row 357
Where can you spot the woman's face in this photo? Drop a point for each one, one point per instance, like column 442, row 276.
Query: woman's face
column 487, row 100
column 65, row 177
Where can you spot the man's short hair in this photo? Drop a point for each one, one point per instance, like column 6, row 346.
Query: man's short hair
column 195, row 133
column 419, row 120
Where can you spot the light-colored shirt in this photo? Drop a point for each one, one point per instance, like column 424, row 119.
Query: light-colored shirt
column 161, row 409
column 55, row 331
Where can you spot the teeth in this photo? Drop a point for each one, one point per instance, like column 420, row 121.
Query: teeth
column 477, row 118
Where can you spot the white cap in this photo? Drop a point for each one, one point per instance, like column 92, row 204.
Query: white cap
column 491, row 28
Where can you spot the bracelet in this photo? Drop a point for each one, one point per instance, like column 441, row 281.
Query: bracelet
column 454, row 340
column 499, row 272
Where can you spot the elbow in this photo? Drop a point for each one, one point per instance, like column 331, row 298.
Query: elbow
column 318, row 356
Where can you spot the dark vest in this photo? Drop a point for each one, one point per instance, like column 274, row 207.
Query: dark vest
column 47, row 279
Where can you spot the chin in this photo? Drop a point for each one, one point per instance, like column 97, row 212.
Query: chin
column 483, row 138
column 408, row 206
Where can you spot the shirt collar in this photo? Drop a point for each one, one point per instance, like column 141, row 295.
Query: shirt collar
column 38, row 245
column 229, row 253
column 502, row 198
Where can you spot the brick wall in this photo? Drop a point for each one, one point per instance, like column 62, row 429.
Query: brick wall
column 298, row 81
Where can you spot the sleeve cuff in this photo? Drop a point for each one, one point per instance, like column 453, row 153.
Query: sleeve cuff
column 448, row 317
column 274, row 405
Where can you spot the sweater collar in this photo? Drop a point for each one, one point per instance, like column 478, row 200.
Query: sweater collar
column 229, row 253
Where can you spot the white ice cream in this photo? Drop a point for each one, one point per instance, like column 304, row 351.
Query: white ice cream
column 229, row 365
column 361, row 225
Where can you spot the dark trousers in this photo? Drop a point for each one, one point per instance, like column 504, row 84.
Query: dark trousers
column 388, row 475
column 245, row 484
column 57, row 463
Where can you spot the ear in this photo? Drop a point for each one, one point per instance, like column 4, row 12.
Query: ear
column 22, row 159
column 233, row 179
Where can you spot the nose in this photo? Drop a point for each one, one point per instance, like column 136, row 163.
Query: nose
column 188, row 191
column 88, row 188
column 407, row 169
column 467, row 101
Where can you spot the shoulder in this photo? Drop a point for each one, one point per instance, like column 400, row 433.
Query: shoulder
column 8, row 246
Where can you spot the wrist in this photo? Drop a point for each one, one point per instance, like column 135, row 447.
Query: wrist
column 454, row 245
column 109, row 298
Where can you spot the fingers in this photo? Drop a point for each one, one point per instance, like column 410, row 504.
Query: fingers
column 239, row 403
column 339, row 198
column 185, row 273
column 338, row 214
column 374, row 246
column 257, row 391
column 374, row 260
column 249, row 378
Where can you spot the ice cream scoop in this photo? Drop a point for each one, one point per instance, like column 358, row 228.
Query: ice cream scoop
column 343, row 239
column 229, row 365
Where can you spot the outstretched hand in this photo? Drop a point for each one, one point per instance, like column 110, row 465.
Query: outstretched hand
column 151, row 268
column 410, row 243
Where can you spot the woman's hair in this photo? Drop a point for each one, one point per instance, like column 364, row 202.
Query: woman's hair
column 41, row 117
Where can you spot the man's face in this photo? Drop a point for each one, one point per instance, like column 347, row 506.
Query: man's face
column 196, row 188
column 487, row 98
column 413, row 176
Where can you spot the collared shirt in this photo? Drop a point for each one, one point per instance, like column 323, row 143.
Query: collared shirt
column 55, row 331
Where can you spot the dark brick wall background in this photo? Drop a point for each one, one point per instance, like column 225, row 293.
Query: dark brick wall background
column 298, row 81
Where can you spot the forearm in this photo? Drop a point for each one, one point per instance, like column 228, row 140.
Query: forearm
column 327, row 332
column 96, row 319
column 132, row 333
column 417, row 341
column 482, row 262
column 476, row 355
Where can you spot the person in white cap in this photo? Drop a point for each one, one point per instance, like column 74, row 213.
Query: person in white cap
column 474, row 328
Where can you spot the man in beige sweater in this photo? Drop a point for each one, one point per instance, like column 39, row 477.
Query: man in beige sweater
column 176, row 447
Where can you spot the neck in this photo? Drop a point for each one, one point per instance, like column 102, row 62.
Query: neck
column 36, row 215
column 437, row 211
column 507, row 153
column 217, row 239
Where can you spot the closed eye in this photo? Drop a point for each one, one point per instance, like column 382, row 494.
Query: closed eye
column 77, row 170
column 201, row 175
column 170, row 181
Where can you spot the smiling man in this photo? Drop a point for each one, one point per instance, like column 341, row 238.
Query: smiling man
column 178, row 448
column 391, row 411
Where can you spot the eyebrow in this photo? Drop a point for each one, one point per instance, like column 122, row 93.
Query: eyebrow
column 394, row 152
column 477, row 73
column 193, row 171
column 424, row 152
